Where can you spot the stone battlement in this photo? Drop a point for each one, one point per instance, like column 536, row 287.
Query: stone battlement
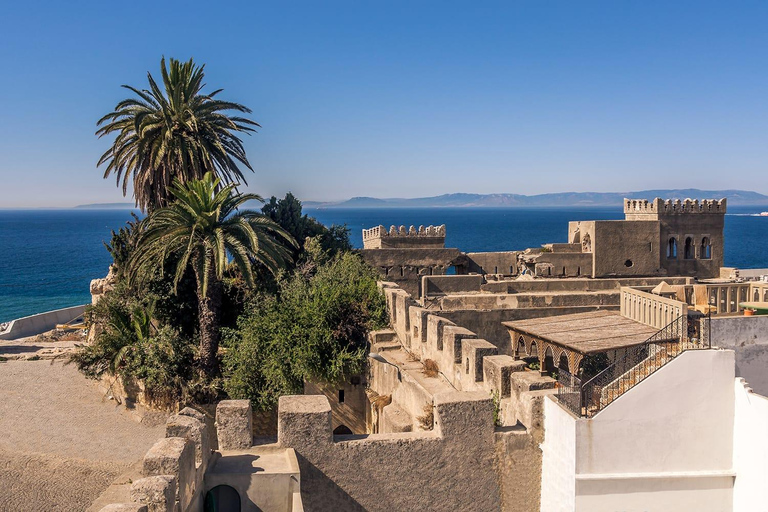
column 642, row 208
column 400, row 238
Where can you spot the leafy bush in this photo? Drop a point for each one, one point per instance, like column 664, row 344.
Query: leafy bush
column 314, row 328
column 131, row 346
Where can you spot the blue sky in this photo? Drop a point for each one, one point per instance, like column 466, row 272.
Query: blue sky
column 405, row 99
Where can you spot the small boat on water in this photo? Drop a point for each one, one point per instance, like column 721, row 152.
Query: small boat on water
column 764, row 214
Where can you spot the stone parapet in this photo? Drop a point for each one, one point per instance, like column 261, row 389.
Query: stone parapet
column 174, row 456
column 234, row 424
column 158, row 493
column 125, row 507
column 401, row 237
column 635, row 209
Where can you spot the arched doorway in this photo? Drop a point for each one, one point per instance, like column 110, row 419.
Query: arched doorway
column 342, row 430
column 222, row 498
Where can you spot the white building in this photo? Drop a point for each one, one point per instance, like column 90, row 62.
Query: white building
column 691, row 436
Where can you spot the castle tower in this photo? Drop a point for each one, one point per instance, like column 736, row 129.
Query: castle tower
column 691, row 241
column 430, row 237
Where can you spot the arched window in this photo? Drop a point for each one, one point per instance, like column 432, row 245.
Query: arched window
column 521, row 347
column 672, row 248
column 563, row 363
column 706, row 249
column 688, row 251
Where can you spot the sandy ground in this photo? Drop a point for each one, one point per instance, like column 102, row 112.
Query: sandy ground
column 61, row 441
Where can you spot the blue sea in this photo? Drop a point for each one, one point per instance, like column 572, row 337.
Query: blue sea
column 48, row 257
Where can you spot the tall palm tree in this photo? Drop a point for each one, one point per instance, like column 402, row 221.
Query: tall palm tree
column 173, row 133
column 203, row 229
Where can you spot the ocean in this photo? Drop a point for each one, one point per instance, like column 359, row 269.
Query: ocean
column 48, row 257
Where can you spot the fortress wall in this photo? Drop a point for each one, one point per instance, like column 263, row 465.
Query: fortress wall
column 493, row 262
column 565, row 264
column 577, row 285
column 444, row 285
column 450, row 468
column 626, row 248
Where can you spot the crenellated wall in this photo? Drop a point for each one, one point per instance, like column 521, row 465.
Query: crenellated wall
column 449, row 468
column 404, row 238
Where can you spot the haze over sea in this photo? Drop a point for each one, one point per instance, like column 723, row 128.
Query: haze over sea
column 48, row 257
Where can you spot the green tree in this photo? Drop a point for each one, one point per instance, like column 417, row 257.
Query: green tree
column 288, row 213
column 202, row 228
column 314, row 329
column 174, row 133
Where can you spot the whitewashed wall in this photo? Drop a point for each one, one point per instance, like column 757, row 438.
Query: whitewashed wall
column 750, row 450
column 558, row 468
column 666, row 445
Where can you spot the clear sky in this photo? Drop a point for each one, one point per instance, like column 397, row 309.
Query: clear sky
column 405, row 99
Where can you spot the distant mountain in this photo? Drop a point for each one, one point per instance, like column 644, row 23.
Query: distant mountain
column 735, row 198
column 107, row 206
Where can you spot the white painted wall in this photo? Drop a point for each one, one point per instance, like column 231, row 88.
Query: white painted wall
column 665, row 445
column 558, row 466
column 750, row 450
column 40, row 323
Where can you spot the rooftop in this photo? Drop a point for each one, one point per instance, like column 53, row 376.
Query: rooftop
column 586, row 333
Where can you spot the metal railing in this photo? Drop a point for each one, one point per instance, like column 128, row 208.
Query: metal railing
column 589, row 397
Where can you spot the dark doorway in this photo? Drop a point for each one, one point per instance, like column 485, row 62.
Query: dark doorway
column 222, row 498
column 342, row 430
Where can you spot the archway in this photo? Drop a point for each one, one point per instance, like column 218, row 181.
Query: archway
column 222, row 498
column 549, row 361
column 521, row 352
column 342, row 430
column 563, row 362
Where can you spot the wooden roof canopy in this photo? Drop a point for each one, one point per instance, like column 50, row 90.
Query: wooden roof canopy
column 585, row 333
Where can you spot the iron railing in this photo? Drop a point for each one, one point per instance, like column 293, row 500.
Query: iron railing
column 589, row 397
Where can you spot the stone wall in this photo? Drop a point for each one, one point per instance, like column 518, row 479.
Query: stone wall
column 37, row 324
column 406, row 267
column 747, row 336
column 349, row 403
column 450, row 468
column 504, row 263
column 173, row 470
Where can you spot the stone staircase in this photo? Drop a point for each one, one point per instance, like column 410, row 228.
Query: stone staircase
column 466, row 362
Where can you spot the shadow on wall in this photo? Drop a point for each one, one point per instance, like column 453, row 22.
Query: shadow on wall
column 321, row 493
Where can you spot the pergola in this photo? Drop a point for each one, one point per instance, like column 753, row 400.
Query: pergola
column 568, row 338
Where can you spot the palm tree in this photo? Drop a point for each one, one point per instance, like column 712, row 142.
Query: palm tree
column 174, row 133
column 202, row 229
